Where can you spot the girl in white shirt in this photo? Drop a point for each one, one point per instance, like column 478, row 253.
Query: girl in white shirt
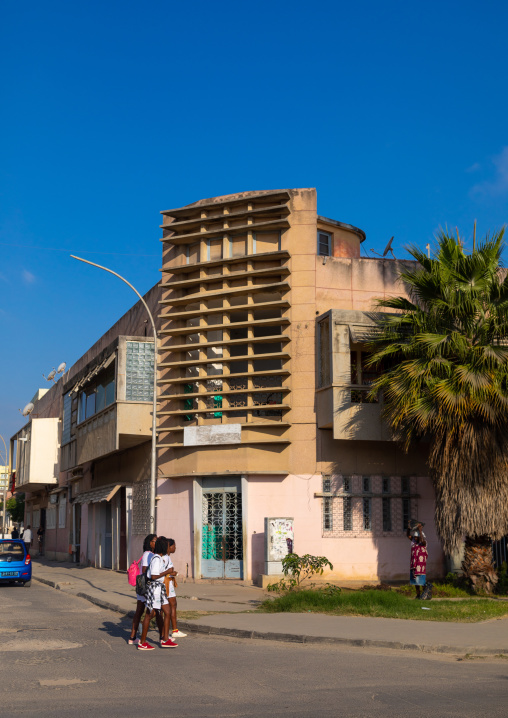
column 156, row 597
column 148, row 546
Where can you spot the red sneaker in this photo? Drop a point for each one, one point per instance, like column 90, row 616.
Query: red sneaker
column 168, row 644
column 145, row 647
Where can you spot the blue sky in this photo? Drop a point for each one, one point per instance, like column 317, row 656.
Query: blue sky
column 113, row 111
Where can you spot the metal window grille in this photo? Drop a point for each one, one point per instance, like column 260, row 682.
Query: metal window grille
column 346, row 485
column 366, row 484
column 406, row 513
column 347, row 513
column 327, row 514
column 386, row 485
column 500, row 552
column 387, row 515
column 404, row 483
column 327, row 485
column 367, row 515
column 140, row 507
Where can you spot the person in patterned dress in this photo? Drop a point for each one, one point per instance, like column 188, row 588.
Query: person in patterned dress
column 418, row 567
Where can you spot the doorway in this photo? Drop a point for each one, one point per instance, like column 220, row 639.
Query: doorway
column 222, row 529
column 107, row 561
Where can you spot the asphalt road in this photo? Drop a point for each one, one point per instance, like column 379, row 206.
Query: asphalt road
column 59, row 655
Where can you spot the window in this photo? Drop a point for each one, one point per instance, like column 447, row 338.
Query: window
column 98, row 395
column 387, row 515
column 386, row 485
column 405, row 485
column 51, row 517
column 66, row 424
column 406, row 513
column 62, row 509
column 139, row 372
column 89, row 403
column 347, row 513
column 327, row 514
column 324, row 241
column 362, row 375
column 327, row 485
column 366, row 484
column 346, row 483
column 367, row 515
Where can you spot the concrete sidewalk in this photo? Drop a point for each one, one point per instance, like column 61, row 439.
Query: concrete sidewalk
column 234, row 605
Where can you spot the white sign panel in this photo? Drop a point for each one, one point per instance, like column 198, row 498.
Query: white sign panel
column 279, row 538
column 215, row 434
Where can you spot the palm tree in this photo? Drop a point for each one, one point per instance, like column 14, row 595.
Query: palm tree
column 444, row 355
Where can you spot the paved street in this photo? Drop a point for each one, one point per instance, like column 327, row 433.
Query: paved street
column 62, row 655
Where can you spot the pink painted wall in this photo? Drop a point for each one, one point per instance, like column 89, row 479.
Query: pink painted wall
column 354, row 558
column 175, row 520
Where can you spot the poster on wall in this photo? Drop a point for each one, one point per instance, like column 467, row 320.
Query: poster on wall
column 279, row 533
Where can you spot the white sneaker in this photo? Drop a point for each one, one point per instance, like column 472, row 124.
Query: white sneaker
column 133, row 641
column 178, row 634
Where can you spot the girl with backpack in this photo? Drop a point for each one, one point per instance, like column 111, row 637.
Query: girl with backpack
column 148, row 547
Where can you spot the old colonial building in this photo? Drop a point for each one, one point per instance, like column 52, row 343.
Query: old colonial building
column 263, row 410
column 259, row 416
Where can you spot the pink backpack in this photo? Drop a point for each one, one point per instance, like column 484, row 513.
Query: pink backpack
column 134, row 571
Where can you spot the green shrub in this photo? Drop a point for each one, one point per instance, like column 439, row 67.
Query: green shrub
column 297, row 569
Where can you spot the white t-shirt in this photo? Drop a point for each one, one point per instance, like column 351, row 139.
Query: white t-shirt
column 156, row 568
column 27, row 535
column 145, row 561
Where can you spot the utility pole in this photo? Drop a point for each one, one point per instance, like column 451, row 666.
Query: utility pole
column 153, row 470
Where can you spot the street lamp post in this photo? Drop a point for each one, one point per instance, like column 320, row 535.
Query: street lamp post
column 153, row 470
column 6, row 466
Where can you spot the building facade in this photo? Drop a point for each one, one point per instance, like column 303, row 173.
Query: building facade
column 83, row 457
column 263, row 312
column 260, row 415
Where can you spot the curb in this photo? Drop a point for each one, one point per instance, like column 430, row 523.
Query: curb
column 293, row 637
column 329, row 640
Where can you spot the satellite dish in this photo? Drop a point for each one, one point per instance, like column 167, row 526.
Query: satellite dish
column 61, row 368
column 388, row 248
column 28, row 409
column 51, row 375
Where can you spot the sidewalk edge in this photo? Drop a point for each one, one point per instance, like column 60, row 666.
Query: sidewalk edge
column 297, row 638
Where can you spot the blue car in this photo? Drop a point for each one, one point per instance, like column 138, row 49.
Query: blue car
column 15, row 562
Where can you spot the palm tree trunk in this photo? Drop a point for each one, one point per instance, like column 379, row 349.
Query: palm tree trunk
column 478, row 564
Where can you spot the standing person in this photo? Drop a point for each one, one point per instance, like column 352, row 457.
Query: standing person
column 148, row 547
column 40, row 538
column 15, row 533
column 27, row 538
column 419, row 555
column 156, row 598
column 170, row 582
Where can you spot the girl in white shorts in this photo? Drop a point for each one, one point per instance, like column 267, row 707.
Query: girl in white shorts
column 168, row 564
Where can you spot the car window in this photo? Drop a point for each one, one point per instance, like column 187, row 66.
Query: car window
column 10, row 549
